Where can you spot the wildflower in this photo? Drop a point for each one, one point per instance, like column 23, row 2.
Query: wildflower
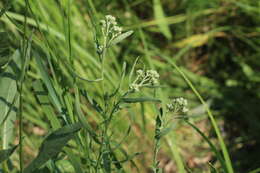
column 144, row 78
column 110, row 28
column 111, row 19
column 117, row 30
column 111, row 31
column 178, row 105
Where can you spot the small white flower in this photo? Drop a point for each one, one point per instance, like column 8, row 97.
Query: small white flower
column 185, row 110
column 135, row 87
column 145, row 78
column 117, row 29
column 103, row 23
column 110, row 29
column 110, row 18
column 178, row 105
column 139, row 72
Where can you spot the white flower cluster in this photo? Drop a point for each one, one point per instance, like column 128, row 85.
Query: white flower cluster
column 110, row 27
column 178, row 105
column 144, row 78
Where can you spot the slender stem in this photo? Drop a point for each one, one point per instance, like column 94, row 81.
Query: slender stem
column 20, row 88
column 20, row 129
column 155, row 153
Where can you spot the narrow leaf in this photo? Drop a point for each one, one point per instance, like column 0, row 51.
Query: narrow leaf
column 4, row 49
column 121, row 37
column 8, row 98
column 92, row 101
column 106, row 161
column 47, row 81
column 138, row 100
column 42, row 97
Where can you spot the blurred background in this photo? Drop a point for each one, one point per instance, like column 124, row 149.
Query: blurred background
column 216, row 43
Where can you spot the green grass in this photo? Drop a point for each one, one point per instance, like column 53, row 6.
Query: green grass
column 54, row 83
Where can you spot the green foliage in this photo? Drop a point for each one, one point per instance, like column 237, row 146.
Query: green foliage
column 52, row 145
column 5, row 154
column 8, row 98
column 205, row 51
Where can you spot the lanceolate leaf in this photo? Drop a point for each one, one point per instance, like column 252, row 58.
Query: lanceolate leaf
column 5, row 154
column 52, row 145
column 8, row 98
column 138, row 100
column 47, row 81
column 122, row 37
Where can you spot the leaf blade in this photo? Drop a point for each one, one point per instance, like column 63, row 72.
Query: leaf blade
column 52, row 145
column 121, row 37
column 139, row 100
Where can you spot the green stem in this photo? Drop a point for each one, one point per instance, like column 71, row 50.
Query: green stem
column 155, row 153
column 20, row 130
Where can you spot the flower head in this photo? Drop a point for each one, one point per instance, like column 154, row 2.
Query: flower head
column 110, row 28
column 178, row 105
column 144, row 78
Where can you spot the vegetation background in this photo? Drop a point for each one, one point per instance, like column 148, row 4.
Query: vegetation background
column 214, row 42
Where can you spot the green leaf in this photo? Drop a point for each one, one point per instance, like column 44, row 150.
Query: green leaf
column 106, row 161
column 5, row 8
column 82, row 118
column 92, row 101
column 140, row 99
column 47, row 81
column 121, row 37
column 42, row 96
column 8, row 98
column 52, row 145
column 248, row 71
column 4, row 49
column 5, row 154
column 159, row 15
column 75, row 161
